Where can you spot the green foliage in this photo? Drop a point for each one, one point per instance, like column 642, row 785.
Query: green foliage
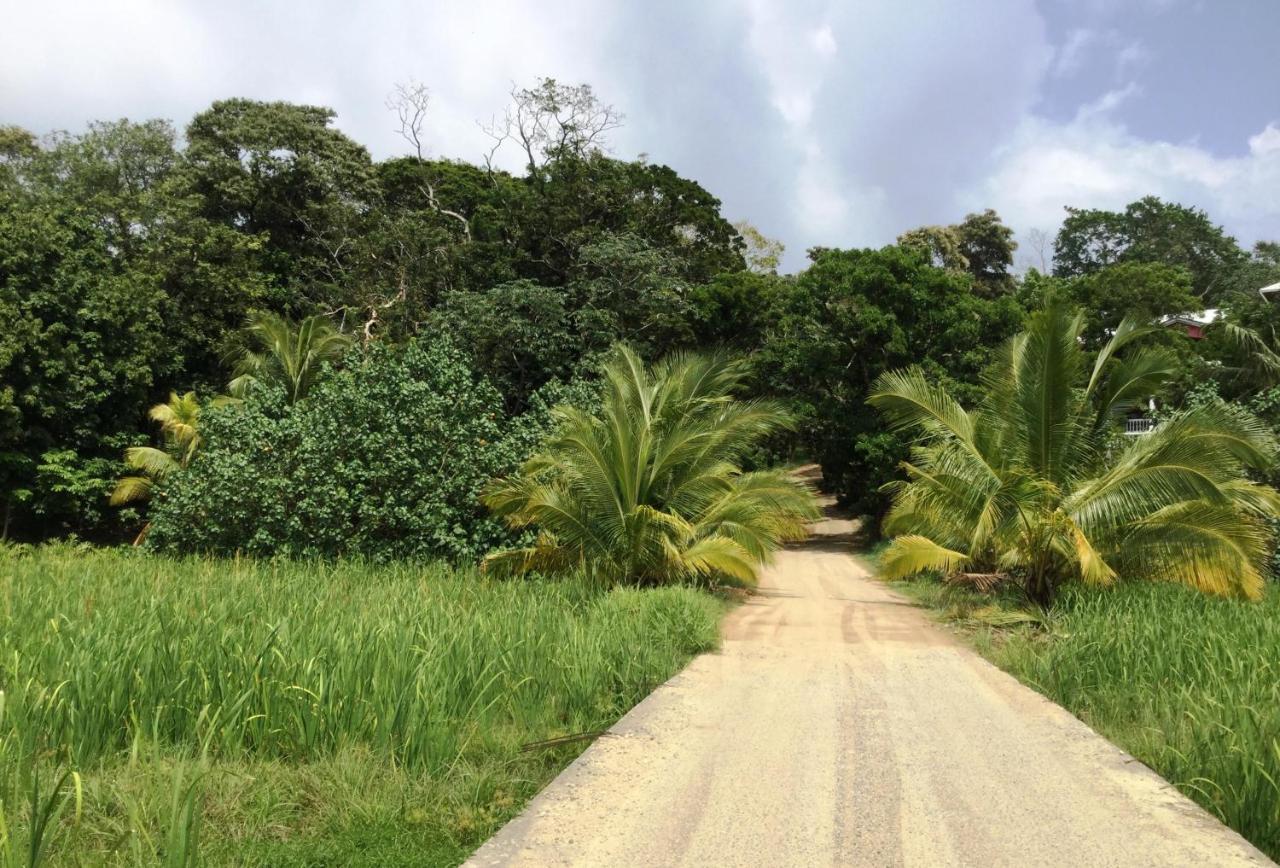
column 649, row 489
column 126, row 261
column 280, row 172
column 110, row 286
column 626, row 289
column 1143, row 290
column 852, row 315
column 1149, row 230
column 179, row 421
column 519, row 334
column 1028, row 482
column 274, row 352
column 981, row 245
column 73, row 489
column 385, row 458
column 733, row 309
column 337, row 710
column 762, row 254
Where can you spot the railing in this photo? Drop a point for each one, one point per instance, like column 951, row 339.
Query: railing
column 1138, row 427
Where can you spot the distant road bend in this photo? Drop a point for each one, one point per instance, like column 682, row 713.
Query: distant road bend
column 838, row 726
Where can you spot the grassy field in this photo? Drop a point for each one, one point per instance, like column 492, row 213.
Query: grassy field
column 1188, row 684
column 292, row 713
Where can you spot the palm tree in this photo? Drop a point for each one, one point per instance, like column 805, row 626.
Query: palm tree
column 179, row 427
column 650, row 490
column 1032, row 482
column 274, row 349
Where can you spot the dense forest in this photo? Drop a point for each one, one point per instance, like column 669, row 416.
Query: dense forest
column 451, row 304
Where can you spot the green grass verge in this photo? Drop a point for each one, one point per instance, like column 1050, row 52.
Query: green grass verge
column 284, row 713
column 1187, row 683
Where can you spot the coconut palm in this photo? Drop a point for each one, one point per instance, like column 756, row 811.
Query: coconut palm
column 274, row 349
column 650, row 489
column 179, row 421
column 1033, row 482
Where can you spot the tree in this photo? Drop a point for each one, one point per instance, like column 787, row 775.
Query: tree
column 274, row 350
column 519, row 334
column 280, row 172
column 732, row 309
column 179, row 421
column 763, row 254
column 625, row 289
column 649, row 490
column 981, row 245
column 1026, row 484
column 88, row 318
column 574, row 194
column 852, row 315
column 1148, row 230
column 552, row 121
column 1145, row 290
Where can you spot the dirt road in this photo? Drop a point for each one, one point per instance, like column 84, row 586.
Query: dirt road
column 838, row 726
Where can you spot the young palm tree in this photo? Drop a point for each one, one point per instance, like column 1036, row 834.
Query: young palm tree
column 650, row 490
column 179, row 427
column 273, row 349
column 1032, row 482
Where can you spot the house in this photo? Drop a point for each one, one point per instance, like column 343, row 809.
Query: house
column 1193, row 324
column 1270, row 293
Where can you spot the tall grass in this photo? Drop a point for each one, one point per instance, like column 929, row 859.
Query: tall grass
column 1187, row 683
column 170, row 668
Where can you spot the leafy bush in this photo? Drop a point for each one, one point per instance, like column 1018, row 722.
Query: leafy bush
column 383, row 459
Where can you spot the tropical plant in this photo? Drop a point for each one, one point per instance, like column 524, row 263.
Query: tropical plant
column 1033, row 481
column 649, row 489
column 385, row 459
column 273, row 349
column 179, row 419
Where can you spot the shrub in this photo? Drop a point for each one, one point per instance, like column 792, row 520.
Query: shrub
column 384, row 459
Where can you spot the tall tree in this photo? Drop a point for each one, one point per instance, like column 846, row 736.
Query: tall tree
column 852, row 315
column 281, row 172
column 1147, row 290
column 1149, row 230
column 980, row 245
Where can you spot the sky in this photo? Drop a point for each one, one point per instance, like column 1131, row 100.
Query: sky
column 823, row 123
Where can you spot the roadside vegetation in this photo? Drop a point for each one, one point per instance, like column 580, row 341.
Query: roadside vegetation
column 285, row 712
column 650, row 490
column 1036, row 486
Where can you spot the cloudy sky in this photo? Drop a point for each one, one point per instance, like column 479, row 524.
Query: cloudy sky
column 833, row 123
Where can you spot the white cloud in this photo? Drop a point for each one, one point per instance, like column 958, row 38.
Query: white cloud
column 1093, row 161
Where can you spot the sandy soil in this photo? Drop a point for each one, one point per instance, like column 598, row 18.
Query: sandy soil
column 838, row 726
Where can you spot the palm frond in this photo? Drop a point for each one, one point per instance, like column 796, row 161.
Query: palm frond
column 649, row 488
column 907, row 555
column 1027, row 483
column 131, row 489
